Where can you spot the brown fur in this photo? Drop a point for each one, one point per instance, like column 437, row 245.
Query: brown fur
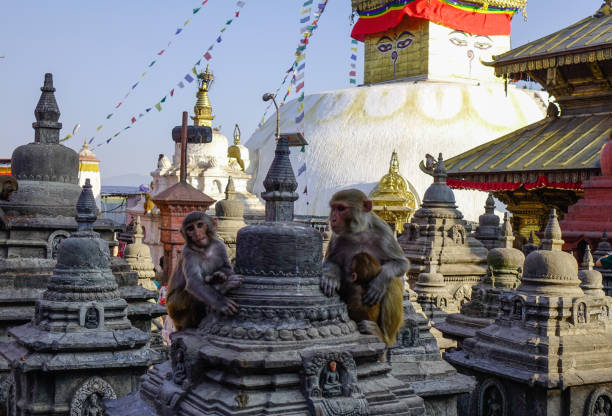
column 389, row 314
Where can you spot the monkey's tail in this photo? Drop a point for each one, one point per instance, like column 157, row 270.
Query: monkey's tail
column 392, row 312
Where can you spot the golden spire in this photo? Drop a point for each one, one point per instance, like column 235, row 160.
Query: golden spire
column 85, row 144
column 202, row 109
column 236, row 135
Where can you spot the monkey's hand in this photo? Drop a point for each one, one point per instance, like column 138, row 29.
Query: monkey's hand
column 233, row 281
column 376, row 290
column 226, row 306
column 330, row 281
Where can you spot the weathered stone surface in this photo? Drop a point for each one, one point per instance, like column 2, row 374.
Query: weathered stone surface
column 550, row 349
column 603, row 249
column 504, row 271
column 230, row 218
column 289, row 350
column 488, row 231
column 80, row 346
column 437, row 234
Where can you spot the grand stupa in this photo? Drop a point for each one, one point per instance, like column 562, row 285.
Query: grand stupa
column 425, row 89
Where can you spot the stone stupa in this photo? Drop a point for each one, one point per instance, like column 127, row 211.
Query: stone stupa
column 603, row 249
column 230, row 218
column 487, row 231
column 439, row 238
column 289, row 350
column 504, row 272
column 80, row 347
column 138, row 256
column 549, row 351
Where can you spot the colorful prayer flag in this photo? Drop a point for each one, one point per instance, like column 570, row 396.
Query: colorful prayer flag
column 151, row 64
column 229, row 22
column 301, row 67
column 161, row 52
column 179, row 30
column 302, row 169
column 133, row 120
column 237, row 14
column 109, row 116
column 300, row 107
column 163, row 100
column 148, row 109
column 240, row 4
column 207, row 56
column 300, row 86
column 186, row 22
column 353, row 74
column 219, row 39
column 307, row 3
column 181, row 85
column 107, row 141
column 301, row 97
column 305, row 19
column 143, row 74
column 158, row 107
column 99, row 127
column 306, row 191
column 223, row 30
column 299, row 118
column 117, row 134
column 303, row 149
column 354, row 57
column 119, row 105
column 188, row 78
column 196, row 10
column 306, row 11
column 172, row 92
column 91, row 140
column 195, row 71
column 134, row 86
column 352, row 81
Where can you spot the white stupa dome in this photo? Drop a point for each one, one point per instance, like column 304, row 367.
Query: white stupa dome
column 352, row 133
column 204, row 154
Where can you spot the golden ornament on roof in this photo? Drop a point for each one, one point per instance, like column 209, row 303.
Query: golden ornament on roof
column 203, row 109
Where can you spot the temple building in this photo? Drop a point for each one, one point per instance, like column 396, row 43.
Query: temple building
column 549, row 351
column 89, row 168
column 547, row 164
column 393, row 199
column 425, row 90
column 209, row 167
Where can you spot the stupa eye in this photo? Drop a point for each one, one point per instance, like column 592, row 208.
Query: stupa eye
column 482, row 45
column 458, row 41
column 405, row 40
column 384, row 47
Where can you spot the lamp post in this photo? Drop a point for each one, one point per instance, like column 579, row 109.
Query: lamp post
column 267, row 97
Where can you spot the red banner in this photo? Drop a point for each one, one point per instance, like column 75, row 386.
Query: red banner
column 541, row 182
column 476, row 22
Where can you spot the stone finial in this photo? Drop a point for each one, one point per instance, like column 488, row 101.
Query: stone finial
column 138, row 231
column 507, row 238
column 46, row 127
column 552, row 233
column 490, row 204
column 236, row 135
column 531, row 245
column 603, row 247
column 440, row 171
column 230, row 189
column 587, row 259
column 280, row 185
column 86, row 208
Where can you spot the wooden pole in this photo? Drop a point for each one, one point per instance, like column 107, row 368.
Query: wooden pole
column 184, row 148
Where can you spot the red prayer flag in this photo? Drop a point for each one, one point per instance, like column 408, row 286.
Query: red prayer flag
column 352, row 73
column 133, row 120
column 237, row 13
column 208, row 56
column 172, row 92
column 117, row 106
column 162, row 51
column 300, row 86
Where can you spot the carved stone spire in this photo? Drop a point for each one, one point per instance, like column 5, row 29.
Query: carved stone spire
column 506, row 238
column 280, row 185
column 592, row 280
column 552, row 233
column 86, row 209
column 46, row 127
column 587, row 259
column 488, row 232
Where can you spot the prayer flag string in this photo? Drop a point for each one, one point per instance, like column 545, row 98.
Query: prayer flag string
column 188, row 78
column 153, row 62
column 353, row 64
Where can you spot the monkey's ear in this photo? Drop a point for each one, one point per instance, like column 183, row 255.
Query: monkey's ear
column 353, row 277
column 367, row 205
column 215, row 222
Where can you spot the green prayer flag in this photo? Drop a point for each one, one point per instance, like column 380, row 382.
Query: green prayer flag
column 229, row 22
column 109, row 116
column 151, row 64
column 163, row 100
column 197, row 63
column 301, row 98
column 158, row 106
column 352, row 81
column 196, row 10
column 127, row 128
column 117, row 134
column 303, row 149
column 223, row 30
column 194, row 70
column 308, row 3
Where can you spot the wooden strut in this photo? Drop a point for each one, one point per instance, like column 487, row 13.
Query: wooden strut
column 183, row 176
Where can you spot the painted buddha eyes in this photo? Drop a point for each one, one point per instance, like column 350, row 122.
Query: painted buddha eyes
column 460, row 38
column 402, row 41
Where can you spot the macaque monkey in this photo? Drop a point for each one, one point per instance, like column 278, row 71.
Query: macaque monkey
column 357, row 229
column 380, row 319
column 203, row 275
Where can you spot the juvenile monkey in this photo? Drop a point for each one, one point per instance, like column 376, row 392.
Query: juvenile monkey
column 203, row 275
column 380, row 319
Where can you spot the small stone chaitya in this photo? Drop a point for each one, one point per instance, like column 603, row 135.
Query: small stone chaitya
column 80, row 347
column 550, row 349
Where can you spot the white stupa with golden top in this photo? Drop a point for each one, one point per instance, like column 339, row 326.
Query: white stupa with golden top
column 426, row 90
column 209, row 165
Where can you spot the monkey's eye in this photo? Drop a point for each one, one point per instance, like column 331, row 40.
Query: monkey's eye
column 200, row 224
column 190, row 228
column 341, row 208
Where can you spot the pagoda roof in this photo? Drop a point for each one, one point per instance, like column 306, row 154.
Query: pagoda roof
column 552, row 144
column 182, row 193
column 588, row 40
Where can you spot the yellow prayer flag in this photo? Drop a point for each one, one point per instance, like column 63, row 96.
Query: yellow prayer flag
column 300, row 107
column 187, row 22
column 354, row 50
column 99, row 127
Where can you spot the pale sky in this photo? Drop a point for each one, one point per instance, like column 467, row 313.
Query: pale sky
column 98, row 50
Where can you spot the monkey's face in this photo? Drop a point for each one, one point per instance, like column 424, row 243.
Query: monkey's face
column 339, row 216
column 197, row 233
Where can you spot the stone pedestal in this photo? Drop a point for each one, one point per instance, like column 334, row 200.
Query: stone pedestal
column 437, row 231
column 80, row 347
column 416, row 359
column 289, row 350
column 550, row 349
